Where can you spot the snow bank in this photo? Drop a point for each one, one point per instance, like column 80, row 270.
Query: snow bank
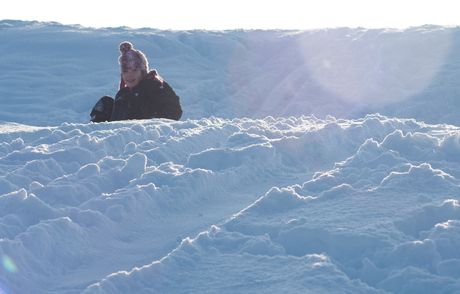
column 281, row 177
column 346, row 73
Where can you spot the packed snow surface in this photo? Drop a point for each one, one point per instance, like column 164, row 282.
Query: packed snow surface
column 321, row 161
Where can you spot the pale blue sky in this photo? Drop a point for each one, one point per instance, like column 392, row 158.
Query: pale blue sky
column 246, row 14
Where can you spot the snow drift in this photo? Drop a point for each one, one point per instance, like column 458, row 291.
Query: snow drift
column 317, row 161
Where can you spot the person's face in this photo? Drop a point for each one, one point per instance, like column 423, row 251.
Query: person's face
column 132, row 77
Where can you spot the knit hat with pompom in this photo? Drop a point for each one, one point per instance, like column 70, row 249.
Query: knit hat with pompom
column 131, row 59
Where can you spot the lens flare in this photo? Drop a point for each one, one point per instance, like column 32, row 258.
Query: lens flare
column 9, row 264
column 342, row 63
column 3, row 289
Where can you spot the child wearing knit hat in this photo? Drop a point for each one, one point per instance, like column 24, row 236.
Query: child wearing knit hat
column 143, row 94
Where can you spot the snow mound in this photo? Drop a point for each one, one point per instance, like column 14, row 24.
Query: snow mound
column 317, row 161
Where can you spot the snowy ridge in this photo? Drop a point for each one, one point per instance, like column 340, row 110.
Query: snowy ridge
column 281, row 178
column 343, row 72
column 95, row 189
column 353, row 215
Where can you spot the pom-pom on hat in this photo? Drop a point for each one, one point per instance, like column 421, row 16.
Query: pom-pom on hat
column 131, row 58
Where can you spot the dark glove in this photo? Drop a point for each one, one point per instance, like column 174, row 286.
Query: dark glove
column 102, row 111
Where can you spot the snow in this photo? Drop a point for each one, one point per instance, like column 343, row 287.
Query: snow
column 318, row 161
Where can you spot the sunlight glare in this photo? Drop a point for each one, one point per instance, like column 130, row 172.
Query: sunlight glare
column 9, row 264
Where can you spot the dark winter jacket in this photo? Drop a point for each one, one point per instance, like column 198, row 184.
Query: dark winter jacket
column 152, row 98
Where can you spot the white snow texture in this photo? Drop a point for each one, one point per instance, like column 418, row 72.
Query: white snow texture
column 319, row 161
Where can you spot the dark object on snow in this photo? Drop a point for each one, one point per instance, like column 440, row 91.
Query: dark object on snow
column 123, row 107
column 152, row 98
column 102, row 111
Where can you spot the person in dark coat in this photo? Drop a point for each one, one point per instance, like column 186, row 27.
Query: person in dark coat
column 143, row 94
